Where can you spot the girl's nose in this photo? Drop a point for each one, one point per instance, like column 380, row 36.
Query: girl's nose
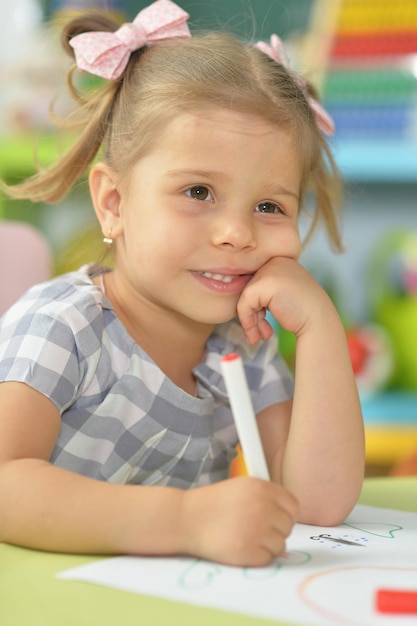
column 233, row 229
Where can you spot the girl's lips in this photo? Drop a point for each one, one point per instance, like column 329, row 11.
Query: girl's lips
column 224, row 283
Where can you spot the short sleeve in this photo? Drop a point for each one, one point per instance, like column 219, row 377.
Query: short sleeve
column 50, row 343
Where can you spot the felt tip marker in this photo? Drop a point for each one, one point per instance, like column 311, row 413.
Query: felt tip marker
column 244, row 415
column 396, row 601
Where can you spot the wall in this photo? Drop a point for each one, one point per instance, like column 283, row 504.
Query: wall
column 246, row 17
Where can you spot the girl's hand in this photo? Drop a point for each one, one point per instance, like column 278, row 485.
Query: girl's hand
column 287, row 290
column 241, row 521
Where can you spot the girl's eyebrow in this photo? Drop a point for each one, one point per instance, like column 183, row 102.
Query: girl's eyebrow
column 214, row 174
column 282, row 191
column 197, row 173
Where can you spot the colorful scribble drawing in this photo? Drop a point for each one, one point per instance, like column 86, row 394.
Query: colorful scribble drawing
column 322, row 579
column 361, row 582
column 201, row 574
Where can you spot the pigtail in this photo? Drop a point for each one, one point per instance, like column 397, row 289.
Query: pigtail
column 92, row 117
column 90, row 22
column 327, row 185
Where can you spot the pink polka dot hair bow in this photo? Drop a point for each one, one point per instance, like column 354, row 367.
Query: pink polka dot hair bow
column 106, row 54
column 276, row 51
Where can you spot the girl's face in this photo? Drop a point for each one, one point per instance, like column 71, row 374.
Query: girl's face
column 214, row 200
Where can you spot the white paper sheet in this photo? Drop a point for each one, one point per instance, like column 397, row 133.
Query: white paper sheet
column 317, row 582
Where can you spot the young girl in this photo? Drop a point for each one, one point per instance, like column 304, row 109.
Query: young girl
column 116, row 434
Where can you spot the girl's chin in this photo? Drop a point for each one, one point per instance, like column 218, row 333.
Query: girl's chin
column 217, row 317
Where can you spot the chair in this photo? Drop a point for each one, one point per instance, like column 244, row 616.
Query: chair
column 25, row 259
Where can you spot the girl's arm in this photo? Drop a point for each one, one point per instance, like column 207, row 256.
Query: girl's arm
column 50, row 508
column 318, row 452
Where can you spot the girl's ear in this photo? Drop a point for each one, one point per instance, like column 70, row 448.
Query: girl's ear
column 106, row 199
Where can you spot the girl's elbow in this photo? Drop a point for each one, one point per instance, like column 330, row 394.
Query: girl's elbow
column 329, row 512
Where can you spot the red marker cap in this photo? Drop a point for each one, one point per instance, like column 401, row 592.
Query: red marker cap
column 396, row 601
column 232, row 356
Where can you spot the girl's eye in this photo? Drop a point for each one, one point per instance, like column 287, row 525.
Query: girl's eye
column 268, row 207
column 199, row 192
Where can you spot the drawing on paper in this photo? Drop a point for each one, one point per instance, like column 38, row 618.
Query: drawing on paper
column 313, row 583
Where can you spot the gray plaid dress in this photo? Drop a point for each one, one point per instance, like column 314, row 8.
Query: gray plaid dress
column 123, row 420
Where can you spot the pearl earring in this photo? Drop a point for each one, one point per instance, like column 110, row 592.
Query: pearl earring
column 108, row 240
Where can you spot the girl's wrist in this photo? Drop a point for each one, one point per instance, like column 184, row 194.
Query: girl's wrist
column 154, row 528
column 323, row 319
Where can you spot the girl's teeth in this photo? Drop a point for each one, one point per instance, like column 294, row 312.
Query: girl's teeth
column 220, row 277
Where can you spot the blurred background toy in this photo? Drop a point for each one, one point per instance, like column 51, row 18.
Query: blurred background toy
column 372, row 355
column 393, row 300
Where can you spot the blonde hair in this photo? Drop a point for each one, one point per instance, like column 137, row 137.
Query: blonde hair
column 125, row 117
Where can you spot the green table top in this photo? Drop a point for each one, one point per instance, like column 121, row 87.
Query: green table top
column 30, row 595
